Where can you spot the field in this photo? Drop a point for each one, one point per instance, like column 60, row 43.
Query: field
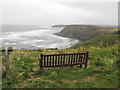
column 102, row 71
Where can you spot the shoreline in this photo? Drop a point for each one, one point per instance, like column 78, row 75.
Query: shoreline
column 38, row 39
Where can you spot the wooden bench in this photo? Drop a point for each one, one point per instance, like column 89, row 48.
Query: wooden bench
column 56, row 60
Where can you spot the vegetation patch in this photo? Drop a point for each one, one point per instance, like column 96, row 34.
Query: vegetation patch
column 102, row 71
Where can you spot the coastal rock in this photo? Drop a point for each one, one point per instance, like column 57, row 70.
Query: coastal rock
column 83, row 32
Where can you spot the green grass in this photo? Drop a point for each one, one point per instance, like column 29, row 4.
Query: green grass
column 68, row 78
column 105, row 41
column 102, row 71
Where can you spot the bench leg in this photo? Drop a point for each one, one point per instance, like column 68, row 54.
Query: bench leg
column 80, row 65
column 85, row 65
column 41, row 68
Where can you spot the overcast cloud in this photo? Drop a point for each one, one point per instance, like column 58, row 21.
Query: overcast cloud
column 49, row 12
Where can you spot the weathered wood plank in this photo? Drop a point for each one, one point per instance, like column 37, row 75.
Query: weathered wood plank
column 58, row 60
column 86, row 60
column 41, row 61
column 53, row 60
column 50, row 61
column 63, row 54
column 5, row 50
column 61, row 59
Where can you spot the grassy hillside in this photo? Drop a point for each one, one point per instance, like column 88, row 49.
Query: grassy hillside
column 86, row 32
column 102, row 71
column 105, row 41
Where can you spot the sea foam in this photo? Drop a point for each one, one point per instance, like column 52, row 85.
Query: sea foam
column 34, row 39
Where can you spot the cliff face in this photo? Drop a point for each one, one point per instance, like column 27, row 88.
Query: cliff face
column 84, row 32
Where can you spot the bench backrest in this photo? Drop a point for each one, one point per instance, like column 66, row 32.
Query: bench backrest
column 55, row 60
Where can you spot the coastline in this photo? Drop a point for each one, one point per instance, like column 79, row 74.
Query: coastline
column 35, row 39
column 67, row 35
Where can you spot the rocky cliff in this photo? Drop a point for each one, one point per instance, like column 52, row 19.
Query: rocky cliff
column 84, row 32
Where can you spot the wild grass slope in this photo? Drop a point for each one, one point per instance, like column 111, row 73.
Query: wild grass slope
column 102, row 71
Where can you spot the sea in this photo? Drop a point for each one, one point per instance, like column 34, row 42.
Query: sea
column 34, row 37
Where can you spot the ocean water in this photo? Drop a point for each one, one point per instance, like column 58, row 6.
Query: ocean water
column 34, row 37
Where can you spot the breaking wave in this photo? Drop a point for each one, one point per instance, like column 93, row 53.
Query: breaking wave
column 35, row 39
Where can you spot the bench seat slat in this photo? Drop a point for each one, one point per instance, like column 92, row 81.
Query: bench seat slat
column 63, row 54
column 62, row 65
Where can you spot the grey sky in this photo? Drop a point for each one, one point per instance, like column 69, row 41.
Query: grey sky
column 48, row 12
